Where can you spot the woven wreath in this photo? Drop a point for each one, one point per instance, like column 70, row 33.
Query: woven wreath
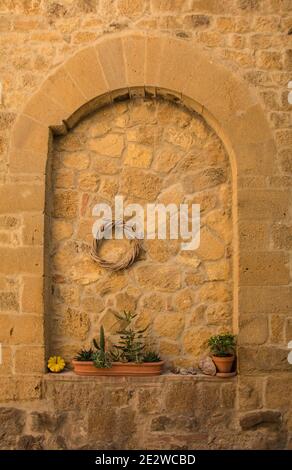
column 128, row 258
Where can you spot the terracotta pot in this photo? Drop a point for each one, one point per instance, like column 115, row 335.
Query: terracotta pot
column 223, row 364
column 119, row 368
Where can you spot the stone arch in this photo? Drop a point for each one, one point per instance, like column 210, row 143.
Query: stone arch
column 136, row 64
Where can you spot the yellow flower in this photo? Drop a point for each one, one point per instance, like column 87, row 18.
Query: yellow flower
column 56, row 363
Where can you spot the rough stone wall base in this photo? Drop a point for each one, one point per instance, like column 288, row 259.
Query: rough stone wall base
column 168, row 412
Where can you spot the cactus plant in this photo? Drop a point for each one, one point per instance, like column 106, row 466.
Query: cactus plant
column 101, row 358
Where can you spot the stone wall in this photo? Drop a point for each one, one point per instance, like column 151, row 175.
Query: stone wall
column 148, row 151
column 168, row 412
column 228, row 60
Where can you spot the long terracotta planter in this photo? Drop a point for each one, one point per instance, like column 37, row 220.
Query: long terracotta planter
column 119, row 369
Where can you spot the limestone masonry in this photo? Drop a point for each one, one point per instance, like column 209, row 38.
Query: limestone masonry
column 158, row 101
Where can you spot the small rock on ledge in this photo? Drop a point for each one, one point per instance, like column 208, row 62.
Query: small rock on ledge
column 207, row 366
column 182, row 371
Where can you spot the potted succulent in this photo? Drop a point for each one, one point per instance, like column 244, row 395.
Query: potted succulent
column 223, row 351
column 128, row 357
column 89, row 361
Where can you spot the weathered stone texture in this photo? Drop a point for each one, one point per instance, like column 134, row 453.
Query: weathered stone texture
column 144, row 157
column 164, row 412
column 248, row 37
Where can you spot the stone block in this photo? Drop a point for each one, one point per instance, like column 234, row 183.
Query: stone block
column 111, row 145
column 9, row 301
column 43, row 421
column 218, row 271
column 76, row 161
column 250, row 392
column 21, row 260
column 153, row 56
column 136, row 183
column 134, row 52
column 256, row 158
column 228, row 395
column 164, row 278
column 65, row 204
column 49, row 113
column 33, row 229
column 62, row 89
column 253, row 235
column 28, row 387
column 73, row 324
column 264, row 359
column 86, row 71
column 210, row 248
column 6, row 367
column 27, row 161
column 181, row 398
column 61, row 229
column 263, row 204
column 88, row 182
column 64, row 179
column 24, row 329
column 255, row 419
column 7, row 389
column 30, row 135
column 16, row 198
column 278, row 392
column 277, row 326
column 285, row 157
column 32, row 294
column 169, row 325
column 29, row 360
column 256, row 299
column 253, row 330
column 205, row 179
column 263, row 268
column 138, row 156
column 195, row 341
column 111, row 57
column 215, row 291
column 12, row 422
column 282, row 236
column 29, row 442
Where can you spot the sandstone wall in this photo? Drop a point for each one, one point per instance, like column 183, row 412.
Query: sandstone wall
column 169, row 412
column 249, row 38
column 148, row 152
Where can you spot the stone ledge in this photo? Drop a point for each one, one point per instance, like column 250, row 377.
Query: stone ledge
column 164, row 378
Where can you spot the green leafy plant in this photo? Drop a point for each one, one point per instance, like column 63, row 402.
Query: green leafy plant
column 222, row 345
column 84, row 355
column 151, row 356
column 101, row 358
column 132, row 344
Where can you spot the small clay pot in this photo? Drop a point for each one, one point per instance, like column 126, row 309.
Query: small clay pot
column 223, row 364
column 119, row 369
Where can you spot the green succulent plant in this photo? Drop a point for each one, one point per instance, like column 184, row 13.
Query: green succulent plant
column 151, row 356
column 132, row 344
column 222, row 345
column 84, row 355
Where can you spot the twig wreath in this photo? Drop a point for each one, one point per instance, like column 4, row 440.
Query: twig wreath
column 128, row 258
